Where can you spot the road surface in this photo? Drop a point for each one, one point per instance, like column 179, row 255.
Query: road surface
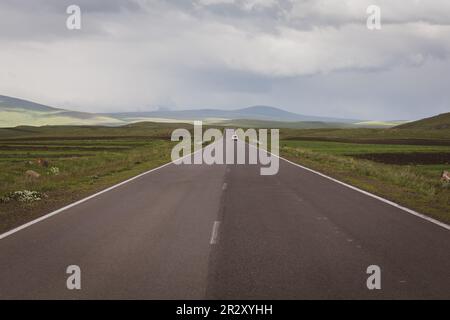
column 226, row 232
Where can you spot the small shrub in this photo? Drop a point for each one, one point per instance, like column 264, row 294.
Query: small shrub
column 53, row 171
column 26, row 196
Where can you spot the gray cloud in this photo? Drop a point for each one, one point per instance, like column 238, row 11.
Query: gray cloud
column 314, row 57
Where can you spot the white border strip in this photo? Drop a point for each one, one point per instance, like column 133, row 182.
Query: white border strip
column 26, row 225
column 417, row 214
column 51, row 214
column 48, row 215
column 215, row 233
column 410, row 211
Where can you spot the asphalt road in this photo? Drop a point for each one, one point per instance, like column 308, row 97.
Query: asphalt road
column 226, row 232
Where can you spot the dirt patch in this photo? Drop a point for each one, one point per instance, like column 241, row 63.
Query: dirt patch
column 415, row 142
column 62, row 148
column 117, row 137
column 36, row 155
column 410, row 158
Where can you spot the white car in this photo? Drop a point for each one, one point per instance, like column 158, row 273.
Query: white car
column 234, row 137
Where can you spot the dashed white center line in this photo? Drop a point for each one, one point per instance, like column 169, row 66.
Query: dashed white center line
column 215, row 233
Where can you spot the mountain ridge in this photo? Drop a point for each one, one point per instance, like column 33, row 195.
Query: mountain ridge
column 258, row 112
column 17, row 112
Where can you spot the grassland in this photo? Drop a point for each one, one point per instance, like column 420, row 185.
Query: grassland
column 414, row 183
column 403, row 165
column 371, row 136
column 439, row 122
column 88, row 159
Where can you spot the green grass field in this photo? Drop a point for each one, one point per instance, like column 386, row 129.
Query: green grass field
column 342, row 148
column 88, row 159
column 401, row 165
column 373, row 136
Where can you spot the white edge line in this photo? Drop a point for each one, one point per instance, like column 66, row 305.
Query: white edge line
column 51, row 214
column 215, row 232
column 28, row 224
column 415, row 213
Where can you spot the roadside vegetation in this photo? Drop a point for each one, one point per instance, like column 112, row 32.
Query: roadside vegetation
column 43, row 169
column 408, row 174
column 371, row 136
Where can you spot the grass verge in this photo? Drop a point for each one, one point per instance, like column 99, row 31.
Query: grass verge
column 78, row 161
column 405, row 185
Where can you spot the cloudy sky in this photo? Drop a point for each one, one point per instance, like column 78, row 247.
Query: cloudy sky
column 313, row 57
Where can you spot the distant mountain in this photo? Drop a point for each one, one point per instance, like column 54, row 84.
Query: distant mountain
column 251, row 113
column 16, row 112
column 19, row 104
column 439, row 122
column 244, row 123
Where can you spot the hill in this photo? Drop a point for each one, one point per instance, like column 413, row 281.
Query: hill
column 439, row 122
column 249, row 123
column 16, row 112
column 265, row 113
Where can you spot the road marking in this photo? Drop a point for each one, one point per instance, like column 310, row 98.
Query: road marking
column 44, row 217
column 51, row 214
column 410, row 211
column 224, row 186
column 215, row 233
